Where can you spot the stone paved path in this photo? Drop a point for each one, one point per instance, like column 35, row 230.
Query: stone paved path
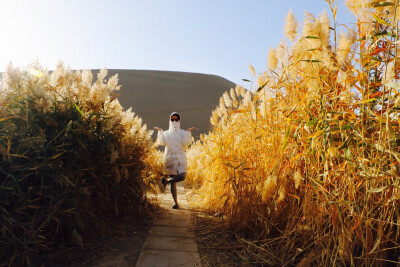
column 171, row 240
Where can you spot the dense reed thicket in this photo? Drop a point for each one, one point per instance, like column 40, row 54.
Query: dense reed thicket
column 305, row 167
column 70, row 156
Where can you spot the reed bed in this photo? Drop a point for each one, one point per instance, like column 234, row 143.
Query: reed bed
column 70, row 156
column 304, row 168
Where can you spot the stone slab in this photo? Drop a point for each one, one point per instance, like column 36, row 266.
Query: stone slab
column 176, row 220
column 168, row 203
column 167, row 213
column 162, row 230
column 170, row 243
column 169, row 198
column 179, row 190
column 163, row 258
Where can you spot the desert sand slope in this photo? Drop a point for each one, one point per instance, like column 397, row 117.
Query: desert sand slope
column 154, row 95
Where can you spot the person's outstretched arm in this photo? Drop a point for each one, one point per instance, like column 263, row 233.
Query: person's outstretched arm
column 187, row 140
column 160, row 137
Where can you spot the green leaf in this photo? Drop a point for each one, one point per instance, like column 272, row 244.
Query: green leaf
column 311, row 60
column 309, row 123
column 385, row 33
column 336, row 112
column 381, row 21
column 344, row 128
column 246, row 80
column 261, row 87
column 287, row 135
column 78, row 109
column 312, row 37
column 297, row 129
column 391, row 131
column 348, row 159
column 67, row 129
column 367, row 100
column 377, row 190
column 381, row 4
column 377, row 59
column 347, row 202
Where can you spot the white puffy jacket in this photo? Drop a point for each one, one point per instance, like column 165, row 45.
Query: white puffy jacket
column 176, row 141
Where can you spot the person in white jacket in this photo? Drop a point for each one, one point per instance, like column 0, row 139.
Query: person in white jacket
column 176, row 141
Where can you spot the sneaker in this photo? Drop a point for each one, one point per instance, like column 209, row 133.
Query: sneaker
column 176, row 206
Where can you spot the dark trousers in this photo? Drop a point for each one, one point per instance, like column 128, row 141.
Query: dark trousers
column 173, row 179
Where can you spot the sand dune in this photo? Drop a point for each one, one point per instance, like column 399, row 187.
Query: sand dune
column 154, row 95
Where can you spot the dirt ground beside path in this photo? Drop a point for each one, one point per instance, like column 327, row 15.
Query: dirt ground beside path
column 119, row 246
column 123, row 246
column 216, row 246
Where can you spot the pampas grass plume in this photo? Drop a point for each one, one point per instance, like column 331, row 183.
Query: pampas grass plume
column 291, row 26
column 272, row 59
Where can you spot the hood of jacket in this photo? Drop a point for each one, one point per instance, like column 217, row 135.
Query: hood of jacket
column 174, row 126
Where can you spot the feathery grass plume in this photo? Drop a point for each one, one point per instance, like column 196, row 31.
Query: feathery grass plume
column 264, row 79
column 297, row 179
column 281, row 51
column 314, row 90
column 269, row 187
column 309, row 22
column 214, row 118
column 362, row 10
column 232, row 93
column 389, row 73
column 282, row 192
column 358, row 6
column 36, row 73
column 87, row 78
column 291, row 26
column 346, row 95
column 324, row 30
column 227, row 100
column 252, row 70
column 300, row 51
column 327, row 59
column 247, row 99
column 221, row 102
column 389, row 10
column 222, row 109
column 316, row 31
column 342, row 79
column 240, row 91
column 344, row 47
column 272, row 59
column 261, row 80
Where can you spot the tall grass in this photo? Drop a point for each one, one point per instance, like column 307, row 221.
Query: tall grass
column 70, row 156
column 306, row 165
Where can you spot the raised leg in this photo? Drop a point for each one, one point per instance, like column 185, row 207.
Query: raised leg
column 173, row 180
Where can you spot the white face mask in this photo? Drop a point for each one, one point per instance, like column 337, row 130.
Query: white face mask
column 175, row 125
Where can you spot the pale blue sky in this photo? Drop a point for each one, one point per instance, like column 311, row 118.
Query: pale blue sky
column 208, row 36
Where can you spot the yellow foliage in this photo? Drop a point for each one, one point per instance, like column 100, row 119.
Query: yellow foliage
column 314, row 145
